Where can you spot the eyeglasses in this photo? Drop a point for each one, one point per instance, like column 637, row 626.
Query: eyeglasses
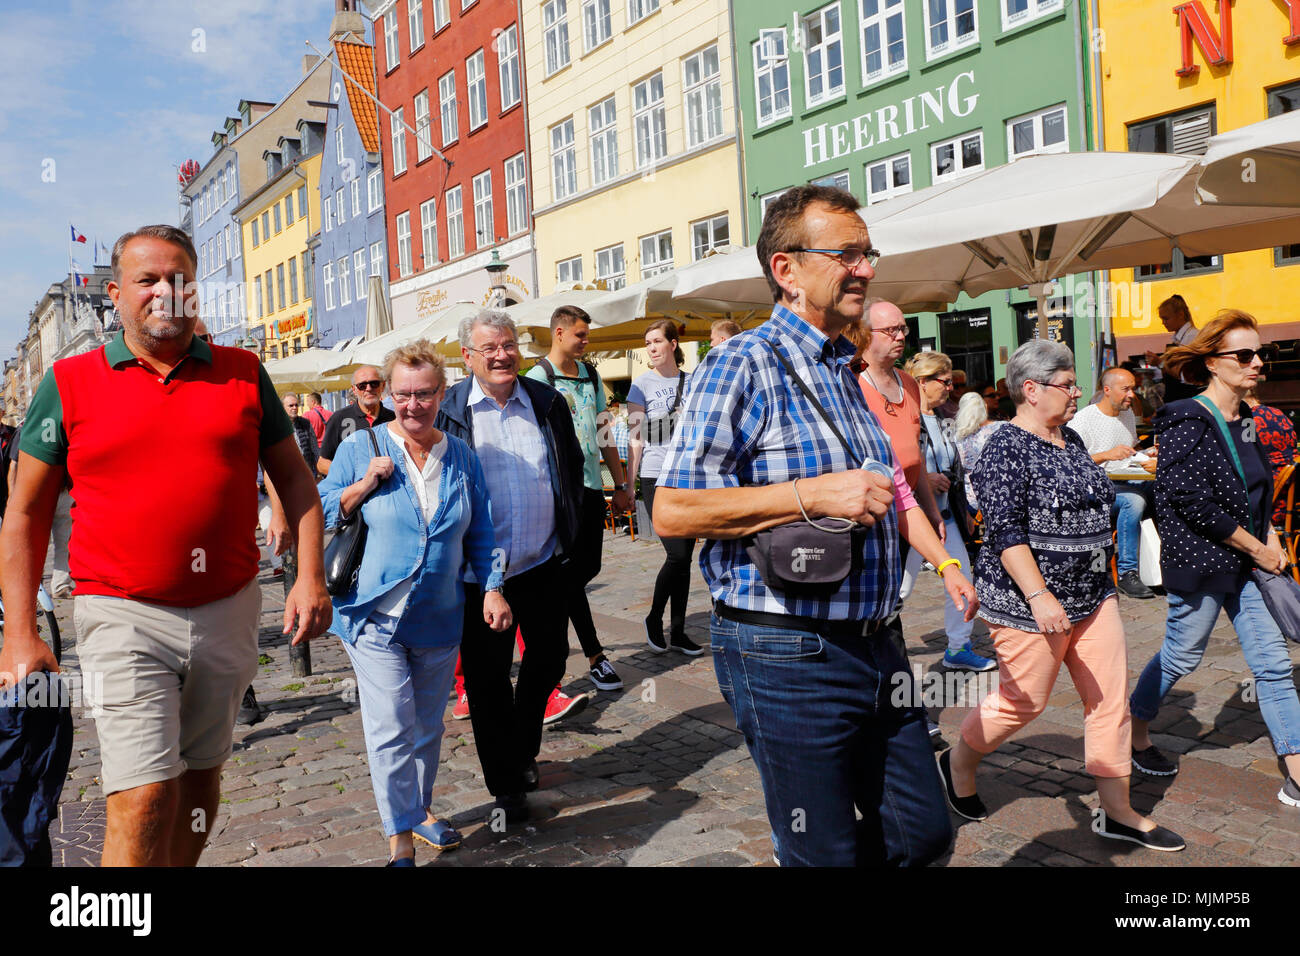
column 375, row 385
column 1266, row 353
column 849, row 258
column 894, row 331
column 1072, row 390
column 424, row 396
column 510, row 348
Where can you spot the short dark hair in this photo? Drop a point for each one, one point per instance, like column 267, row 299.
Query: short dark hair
column 164, row 232
column 783, row 227
column 566, row 315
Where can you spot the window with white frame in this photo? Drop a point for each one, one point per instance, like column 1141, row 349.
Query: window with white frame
column 640, row 9
column 403, row 244
column 275, row 216
column 949, row 25
column 359, row 273
column 568, row 271
column 306, row 273
column 279, row 284
column 429, row 231
column 231, row 249
column 328, row 213
column 771, row 76
column 377, row 258
column 823, row 55
column 707, row 235
column 423, row 122
column 355, row 186
column 455, row 224
column 203, row 260
column 656, row 253
column 415, row 20
column 1043, row 132
column 476, row 81
column 392, row 55
column 255, row 237
column 555, row 29
column 610, row 267
column 835, row 181
column 328, row 278
column 884, row 44
column 441, row 15
column 564, row 160
column 375, row 190
column 466, row 4
column 602, row 125
column 447, row 108
column 516, row 195
column 957, row 157
column 345, row 296
column 338, row 144
column 702, row 93
column 397, row 127
column 293, row 280
column 888, row 178
column 288, row 209
column 765, row 201
column 507, row 47
column 1016, row 12
column 648, row 120
column 340, row 207
column 483, row 225
column 596, row 24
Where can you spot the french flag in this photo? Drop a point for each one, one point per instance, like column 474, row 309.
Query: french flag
column 76, row 236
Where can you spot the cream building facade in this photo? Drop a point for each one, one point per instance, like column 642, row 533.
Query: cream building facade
column 632, row 130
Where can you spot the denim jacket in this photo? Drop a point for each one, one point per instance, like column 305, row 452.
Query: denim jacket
column 399, row 544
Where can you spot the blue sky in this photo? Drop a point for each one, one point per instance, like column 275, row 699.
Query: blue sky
column 117, row 94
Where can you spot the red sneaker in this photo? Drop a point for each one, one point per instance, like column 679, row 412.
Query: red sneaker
column 562, row 705
column 461, row 710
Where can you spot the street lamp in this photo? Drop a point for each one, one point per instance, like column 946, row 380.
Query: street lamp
column 496, row 270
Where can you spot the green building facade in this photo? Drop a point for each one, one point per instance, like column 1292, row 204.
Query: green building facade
column 886, row 96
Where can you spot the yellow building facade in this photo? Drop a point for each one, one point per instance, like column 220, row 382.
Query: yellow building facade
column 632, row 126
column 278, row 221
column 1171, row 75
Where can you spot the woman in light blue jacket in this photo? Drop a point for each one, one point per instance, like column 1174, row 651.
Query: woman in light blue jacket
column 424, row 501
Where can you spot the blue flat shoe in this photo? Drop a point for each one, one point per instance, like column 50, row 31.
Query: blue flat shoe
column 402, row 861
column 440, row 834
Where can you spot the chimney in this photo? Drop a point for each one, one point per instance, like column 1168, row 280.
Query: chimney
column 347, row 20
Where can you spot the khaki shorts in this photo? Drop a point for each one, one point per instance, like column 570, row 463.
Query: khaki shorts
column 172, row 681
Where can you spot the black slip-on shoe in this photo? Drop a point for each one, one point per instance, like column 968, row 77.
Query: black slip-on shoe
column 972, row 807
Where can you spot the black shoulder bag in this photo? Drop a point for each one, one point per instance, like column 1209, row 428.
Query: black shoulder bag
column 660, row 430
column 343, row 553
column 804, row 558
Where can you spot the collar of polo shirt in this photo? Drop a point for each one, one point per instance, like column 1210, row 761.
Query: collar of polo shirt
column 117, row 353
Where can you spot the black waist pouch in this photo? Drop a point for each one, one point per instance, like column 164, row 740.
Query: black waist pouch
column 803, row 560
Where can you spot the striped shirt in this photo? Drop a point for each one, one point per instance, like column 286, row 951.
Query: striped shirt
column 512, row 449
column 745, row 423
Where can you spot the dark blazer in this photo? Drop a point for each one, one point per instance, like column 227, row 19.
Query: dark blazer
column 562, row 448
column 1200, row 500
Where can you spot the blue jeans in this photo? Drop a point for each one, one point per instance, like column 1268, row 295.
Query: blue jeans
column 1187, row 630
column 403, row 693
column 1128, row 508
column 818, row 717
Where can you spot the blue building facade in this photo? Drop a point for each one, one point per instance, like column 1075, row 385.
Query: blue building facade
column 352, row 239
column 213, row 195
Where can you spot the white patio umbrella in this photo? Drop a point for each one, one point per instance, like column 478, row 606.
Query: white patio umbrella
column 442, row 329
column 379, row 319
column 1255, row 165
column 307, row 371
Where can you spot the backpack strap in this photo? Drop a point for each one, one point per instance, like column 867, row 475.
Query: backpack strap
column 549, row 369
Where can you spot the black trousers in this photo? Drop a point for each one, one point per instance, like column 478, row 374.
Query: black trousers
column 507, row 719
column 582, row 567
column 673, row 583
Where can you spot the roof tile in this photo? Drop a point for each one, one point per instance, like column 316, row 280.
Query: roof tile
column 358, row 62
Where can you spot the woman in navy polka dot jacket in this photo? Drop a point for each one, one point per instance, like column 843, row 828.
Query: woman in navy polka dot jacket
column 1213, row 499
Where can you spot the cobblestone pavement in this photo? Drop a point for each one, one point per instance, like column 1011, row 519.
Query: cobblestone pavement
column 657, row 774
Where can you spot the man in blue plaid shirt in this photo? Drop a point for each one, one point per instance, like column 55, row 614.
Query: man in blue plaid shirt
column 813, row 681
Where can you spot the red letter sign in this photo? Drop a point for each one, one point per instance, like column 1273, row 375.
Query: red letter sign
column 1194, row 24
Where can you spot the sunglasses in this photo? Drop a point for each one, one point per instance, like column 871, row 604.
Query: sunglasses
column 945, row 382
column 374, row 384
column 1266, row 353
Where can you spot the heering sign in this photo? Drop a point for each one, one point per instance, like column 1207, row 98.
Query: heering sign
column 877, row 127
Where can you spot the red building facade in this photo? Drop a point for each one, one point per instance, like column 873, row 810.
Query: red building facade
column 456, row 165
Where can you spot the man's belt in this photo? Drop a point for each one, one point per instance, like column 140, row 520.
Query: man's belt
column 797, row 622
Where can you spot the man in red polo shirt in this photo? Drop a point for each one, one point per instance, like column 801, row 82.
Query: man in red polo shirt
column 159, row 434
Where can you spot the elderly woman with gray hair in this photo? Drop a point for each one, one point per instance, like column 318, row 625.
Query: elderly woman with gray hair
column 1043, row 579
